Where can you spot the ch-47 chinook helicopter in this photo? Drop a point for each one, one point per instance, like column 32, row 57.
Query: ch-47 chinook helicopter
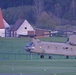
column 40, row 47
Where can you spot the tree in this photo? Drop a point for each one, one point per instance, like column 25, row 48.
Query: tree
column 39, row 6
column 15, row 13
column 44, row 21
column 57, row 10
column 73, row 9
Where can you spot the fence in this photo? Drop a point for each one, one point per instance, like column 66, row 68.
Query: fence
column 17, row 56
column 23, row 56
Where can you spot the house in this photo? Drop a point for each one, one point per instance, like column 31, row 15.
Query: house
column 2, row 29
column 22, row 28
column 7, row 29
column 40, row 33
column 4, row 26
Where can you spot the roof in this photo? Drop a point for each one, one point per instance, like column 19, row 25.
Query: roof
column 17, row 24
column 6, row 24
column 1, row 20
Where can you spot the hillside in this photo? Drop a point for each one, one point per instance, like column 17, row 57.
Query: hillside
column 63, row 11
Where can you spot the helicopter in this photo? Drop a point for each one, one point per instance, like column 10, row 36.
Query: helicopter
column 67, row 48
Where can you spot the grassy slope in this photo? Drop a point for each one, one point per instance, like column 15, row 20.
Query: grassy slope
column 42, row 67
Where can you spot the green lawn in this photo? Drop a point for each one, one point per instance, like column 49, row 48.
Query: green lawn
column 12, row 45
column 13, row 48
column 39, row 67
column 54, row 39
column 22, row 64
column 16, row 45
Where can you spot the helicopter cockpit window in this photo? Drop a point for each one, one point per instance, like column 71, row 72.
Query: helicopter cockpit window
column 30, row 44
column 68, row 39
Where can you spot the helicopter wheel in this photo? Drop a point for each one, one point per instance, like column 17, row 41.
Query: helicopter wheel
column 67, row 57
column 50, row 57
column 42, row 56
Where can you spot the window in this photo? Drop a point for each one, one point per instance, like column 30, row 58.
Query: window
column 25, row 27
column 30, row 44
column 48, row 46
column 65, row 47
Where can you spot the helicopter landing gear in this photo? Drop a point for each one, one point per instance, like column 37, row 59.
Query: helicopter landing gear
column 42, row 56
column 50, row 57
column 67, row 57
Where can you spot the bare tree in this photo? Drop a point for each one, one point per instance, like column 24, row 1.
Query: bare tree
column 72, row 8
column 39, row 5
column 57, row 10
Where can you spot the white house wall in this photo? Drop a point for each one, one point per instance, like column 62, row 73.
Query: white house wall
column 6, row 24
column 2, row 32
column 22, row 30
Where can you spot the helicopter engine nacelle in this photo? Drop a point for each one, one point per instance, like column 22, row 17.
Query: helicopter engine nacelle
column 72, row 40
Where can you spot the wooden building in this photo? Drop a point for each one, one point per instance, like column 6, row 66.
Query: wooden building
column 40, row 33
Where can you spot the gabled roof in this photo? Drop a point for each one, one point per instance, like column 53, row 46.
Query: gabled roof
column 6, row 25
column 1, row 20
column 17, row 24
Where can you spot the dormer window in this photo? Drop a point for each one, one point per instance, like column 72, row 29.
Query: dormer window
column 25, row 27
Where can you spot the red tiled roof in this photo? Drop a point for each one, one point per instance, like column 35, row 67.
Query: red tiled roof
column 1, row 20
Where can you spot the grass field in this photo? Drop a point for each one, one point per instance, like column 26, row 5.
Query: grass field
column 39, row 67
column 22, row 65
column 12, row 45
column 13, row 48
column 16, row 45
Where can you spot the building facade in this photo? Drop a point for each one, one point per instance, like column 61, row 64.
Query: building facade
column 22, row 28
